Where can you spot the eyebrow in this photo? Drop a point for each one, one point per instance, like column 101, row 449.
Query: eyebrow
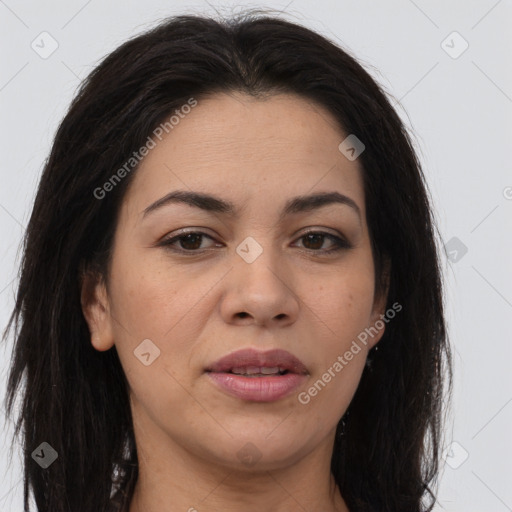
column 214, row 204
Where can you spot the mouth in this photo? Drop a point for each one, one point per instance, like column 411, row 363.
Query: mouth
column 254, row 362
column 258, row 376
column 258, row 371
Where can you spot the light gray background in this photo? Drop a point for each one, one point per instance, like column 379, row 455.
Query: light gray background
column 460, row 110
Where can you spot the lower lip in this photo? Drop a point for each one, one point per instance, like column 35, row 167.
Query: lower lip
column 258, row 389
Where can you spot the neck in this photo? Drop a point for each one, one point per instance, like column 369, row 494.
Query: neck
column 173, row 479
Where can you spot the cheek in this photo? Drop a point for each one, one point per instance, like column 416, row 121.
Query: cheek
column 150, row 298
column 153, row 301
column 344, row 300
column 343, row 305
column 340, row 360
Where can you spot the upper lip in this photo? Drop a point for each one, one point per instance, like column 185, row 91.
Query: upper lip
column 251, row 357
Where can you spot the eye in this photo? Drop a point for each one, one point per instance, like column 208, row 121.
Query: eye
column 191, row 242
column 314, row 240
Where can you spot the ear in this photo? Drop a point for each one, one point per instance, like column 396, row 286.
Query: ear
column 96, row 309
column 379, row 305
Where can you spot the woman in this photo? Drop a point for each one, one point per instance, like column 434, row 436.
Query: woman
column 230, row 293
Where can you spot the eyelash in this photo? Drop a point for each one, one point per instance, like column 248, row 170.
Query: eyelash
column 340, row 243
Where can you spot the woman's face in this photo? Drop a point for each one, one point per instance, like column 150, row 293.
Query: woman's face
column 254, row 279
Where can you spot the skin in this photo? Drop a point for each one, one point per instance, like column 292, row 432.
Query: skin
column 197, row 308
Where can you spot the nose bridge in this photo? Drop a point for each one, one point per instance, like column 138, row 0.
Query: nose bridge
column 258, row 283
column 259, row 260
column 260, row 253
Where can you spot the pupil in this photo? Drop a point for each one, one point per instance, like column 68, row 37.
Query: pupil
column 186, row 239
column 318, row 237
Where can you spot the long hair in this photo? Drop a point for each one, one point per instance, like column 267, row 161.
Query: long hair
column 387, row 448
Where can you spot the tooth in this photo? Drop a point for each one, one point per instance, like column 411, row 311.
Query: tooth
column 268, row 371
column 244, row 370
column 252, row 369
column 256, row 370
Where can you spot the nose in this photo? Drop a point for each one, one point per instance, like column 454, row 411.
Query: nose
column 260, row 293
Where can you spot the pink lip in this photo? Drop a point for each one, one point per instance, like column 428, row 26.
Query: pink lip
column 258, row 389
column 252, row 357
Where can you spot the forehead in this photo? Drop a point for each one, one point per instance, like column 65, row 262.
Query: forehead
column 248, row 149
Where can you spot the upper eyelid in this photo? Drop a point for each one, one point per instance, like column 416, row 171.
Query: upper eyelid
column 313, row 230
column 188, row 231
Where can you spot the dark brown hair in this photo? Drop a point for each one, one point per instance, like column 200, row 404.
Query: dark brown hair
column 387, row 447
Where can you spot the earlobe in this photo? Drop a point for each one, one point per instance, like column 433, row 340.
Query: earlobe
column 95, row 307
